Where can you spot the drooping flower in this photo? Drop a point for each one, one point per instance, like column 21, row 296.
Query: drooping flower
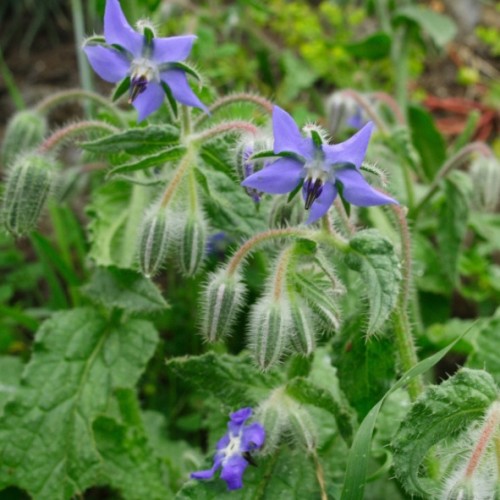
column 233, row 449
column 325, row 170
column 148, row 61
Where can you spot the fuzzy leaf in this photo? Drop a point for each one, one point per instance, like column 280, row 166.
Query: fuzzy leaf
column 306, row 392
column 46, row 439
column 115, row 216
column 150, row 161
column 357, row 463
column 137, row 141
column 130, row 464
column 453, row 222
column 124, row 289
column 442, row 412
column 485, row 347
column 381, row 274
column 10, row 375
column 235, row 380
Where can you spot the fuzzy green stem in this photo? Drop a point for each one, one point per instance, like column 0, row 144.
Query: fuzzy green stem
column 344, row 218
column 65, row 133
column 64, row 96
column 320, row 476
column 391, row 103
column 183, row 167
column 455, row 161
column 250, row 245
column 185, row 119
column 222, row 129
column 193, row 194
column 262, row 102
column 83, row 66
column 282, row 267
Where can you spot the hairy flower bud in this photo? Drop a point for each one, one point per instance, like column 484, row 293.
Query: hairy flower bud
column 485, row 175
column 223, row 296
column 286, row 213
column 303, row 338
column 193, row 244
column 25, row 130
column 343, row 111
column 158, row 232
column 29, row 182
column 269, row 330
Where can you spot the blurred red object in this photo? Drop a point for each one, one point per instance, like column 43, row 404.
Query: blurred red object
column 453, row 112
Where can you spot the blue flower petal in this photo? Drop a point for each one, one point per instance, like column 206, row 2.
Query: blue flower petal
column 253, row 436
column 149, row 101
column 176, row 79
column 358, row 192
column 241, row 416
column 172, row 49
column 232, row 471
column 109, row 64
column 208, row 473
column 287, row 136
column 280, row 177
column 118, row 30
column 351, row 151
column 223, row 442
column 324, row 201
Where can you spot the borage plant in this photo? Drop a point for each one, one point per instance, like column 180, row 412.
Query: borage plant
column 308, row 370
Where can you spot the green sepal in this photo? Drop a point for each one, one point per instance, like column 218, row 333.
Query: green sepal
column 170, row 98
column 316, row 138
column 293, row 193
column 183, row 67
column 121, row 88
column 148, row 34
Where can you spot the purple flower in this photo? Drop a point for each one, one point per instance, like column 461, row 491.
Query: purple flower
column 233, row 448
column 148, row 62
column 323, row 169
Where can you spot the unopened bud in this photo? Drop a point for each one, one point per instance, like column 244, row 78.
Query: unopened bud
column 30, row 180
column 156, row 236
column 223, row 297
column 303, row 338
column 322, row 303
column 270, row 329
column 485, row 175
column 25, row 130
column 272, row 414
column 302, row 427
column 193, row 244
column 286, row 213
column 343, row 111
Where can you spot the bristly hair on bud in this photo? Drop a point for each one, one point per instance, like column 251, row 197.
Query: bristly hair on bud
column 485, row 175
column 193, row 243
column 159, row 231
column 286, row 213
column 222, row 298
column 30, row 181
column 25, row 130
column 303, row 338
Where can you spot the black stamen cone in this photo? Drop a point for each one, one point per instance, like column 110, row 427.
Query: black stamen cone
column 313, row 190
column 138, row 85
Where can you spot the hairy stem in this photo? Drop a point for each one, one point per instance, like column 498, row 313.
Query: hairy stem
column 320, row 476
column 262, row 102
column 183, row 167
column 61, row 135
column 223, row 129
column 368, row 108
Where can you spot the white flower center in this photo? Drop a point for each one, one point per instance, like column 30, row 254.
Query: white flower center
column 144, row 69
column 233, row 447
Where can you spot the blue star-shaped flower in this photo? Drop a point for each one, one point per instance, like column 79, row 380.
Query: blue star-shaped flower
column 324, row 169
column 148, row 63
column 240, row 440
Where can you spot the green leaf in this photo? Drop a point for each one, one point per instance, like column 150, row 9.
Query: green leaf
column 10, row 375
column 381, row 274
column 129, row 462
column 115, row 214
column 235, row 380
column 440, row 28
column 441, row 413
column 373, row 47
column 124, row 289
column 138, row 141
column 46, row 440
column 485, row 347
column 453, row 217
column 306, row 392
column 121, row 88
column 365, row 367
column 357, row 464
column 427, row 140
column 154, row 160
column 288, row 475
